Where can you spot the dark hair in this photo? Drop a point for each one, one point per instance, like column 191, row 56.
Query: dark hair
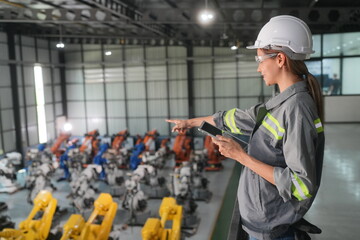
column 299, row 68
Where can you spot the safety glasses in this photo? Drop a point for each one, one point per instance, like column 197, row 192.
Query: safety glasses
column 260, row 59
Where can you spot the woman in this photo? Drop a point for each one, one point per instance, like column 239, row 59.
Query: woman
column 282, row 167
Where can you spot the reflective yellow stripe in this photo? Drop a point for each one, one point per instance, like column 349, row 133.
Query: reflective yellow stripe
column 276, row 122
column 279, row 132
column 230, row 121
column 318, row 125
column 299, row 189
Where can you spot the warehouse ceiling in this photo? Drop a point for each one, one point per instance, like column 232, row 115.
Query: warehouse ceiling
column 169, row 21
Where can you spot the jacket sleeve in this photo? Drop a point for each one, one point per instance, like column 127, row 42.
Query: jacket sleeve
column 298, row 179
column 236, row 120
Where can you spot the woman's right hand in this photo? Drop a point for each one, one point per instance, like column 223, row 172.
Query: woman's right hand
column 181, row 125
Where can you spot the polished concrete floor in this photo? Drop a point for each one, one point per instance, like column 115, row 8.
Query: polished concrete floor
column 336, row 209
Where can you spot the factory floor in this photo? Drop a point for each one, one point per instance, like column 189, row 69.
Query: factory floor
column 336, row 210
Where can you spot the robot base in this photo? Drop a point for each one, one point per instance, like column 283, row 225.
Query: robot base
column 155, row 192
column 138, row 218
column 190, row 224
column 5, row 222
column 8, row 187
column 117, row 191
column 201, row 195
column 214, row 167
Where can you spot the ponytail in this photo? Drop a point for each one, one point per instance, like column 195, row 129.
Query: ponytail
column 299, row 68
column 316, row 94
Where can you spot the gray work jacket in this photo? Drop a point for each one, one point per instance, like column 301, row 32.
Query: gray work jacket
column 290, row 138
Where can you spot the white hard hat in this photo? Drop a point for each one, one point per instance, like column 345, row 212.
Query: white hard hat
column 288, row 34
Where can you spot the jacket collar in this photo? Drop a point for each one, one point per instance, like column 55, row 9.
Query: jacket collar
column 300, row 86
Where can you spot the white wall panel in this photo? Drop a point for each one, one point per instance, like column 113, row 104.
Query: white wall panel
column 54, row 54
column 28, row 54
column 48, row 94
column 225, row 70
column 4, row 52
column 250, row 86
column 116, row 109
column 203, row 107
column 93, row 75
column 57, row 93
column 74, row 76
column 116, row 54
column 9, row 141
column 75, row 92
column 245, row 103
column 43, row 55
column 47, row 78
column 202, row 51
column 156, row 73
column 97, row 123
column 30, row 95
column 41, row 43
column 176, row 52
column 49, row 111
column 93, row 56
column 94, row 91
column 29, row 75
column 203, row 70
column 115, row 91
column 135, row 90
column 5, row 76
column 72, row 57
column 56, row 75
column 248, row 69
column 160, row 125
column 29, row 41
column 79, row 126
column 203, row 88
column 31, row 115
column 114, row 74
column 137, row 126
column 3, row 37
column 116, row 125
column 156, row 90
column 136, row 73
column 158, row 108
column 50, row 128
column 155, row 53
column 7, row 117
column 179, row 108
column 222, row 104
column 6, row 98
column 21, row 96
column 225, row 87
column 136, row 108
column 33, row 135
column 95, row 109
column 178, row 89
column 177, row 72
column 134, row 55
column 59, row 109
column 76, row 109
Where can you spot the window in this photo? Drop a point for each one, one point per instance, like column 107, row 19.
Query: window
column 40, row 104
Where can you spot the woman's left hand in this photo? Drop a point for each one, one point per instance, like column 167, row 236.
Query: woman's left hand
column 228, row 147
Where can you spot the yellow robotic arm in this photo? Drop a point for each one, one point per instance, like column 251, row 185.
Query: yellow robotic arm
column 99, row 224
column 31, row 229
column 155, row 228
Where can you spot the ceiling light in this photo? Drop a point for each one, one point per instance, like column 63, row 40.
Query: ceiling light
column 233, row 47
column 60, row 45
column 108, row 53
column 206, row 16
